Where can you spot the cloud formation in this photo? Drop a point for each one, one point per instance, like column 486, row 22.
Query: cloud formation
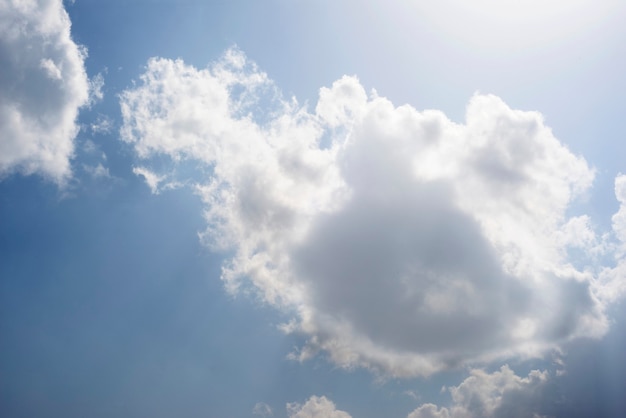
column 315, row 407
column 43, row 84
column 396, row 239
column 492, row 395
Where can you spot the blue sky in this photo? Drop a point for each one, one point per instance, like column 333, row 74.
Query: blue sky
column 312, row 208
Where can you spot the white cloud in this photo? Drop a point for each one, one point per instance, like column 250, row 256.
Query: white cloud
column 42, row 86
column 399, row 240
column 315, row 407
column 499, row 394
column 156, row 182
column 152, row 180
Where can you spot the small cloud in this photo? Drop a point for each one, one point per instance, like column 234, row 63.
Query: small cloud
column 102, row 125
column 262, row 409
column 315, row 407
column 90, row 147
column 96, row 84
column 413, row 394
column 156, row 182
column 98, row 171
column 152, row 179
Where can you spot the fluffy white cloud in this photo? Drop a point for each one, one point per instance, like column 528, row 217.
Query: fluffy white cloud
column 398, row 240
column 42, row 86
column 499, row 394
column 315, row 407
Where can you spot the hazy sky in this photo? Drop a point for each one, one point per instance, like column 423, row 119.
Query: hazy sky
column 312, row 208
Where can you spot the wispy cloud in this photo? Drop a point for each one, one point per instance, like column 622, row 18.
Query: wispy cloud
column 262, row 409
column 97, row 171
column 96, row 86
column 102, row 125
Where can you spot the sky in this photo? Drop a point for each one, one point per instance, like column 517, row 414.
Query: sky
column 312, row 208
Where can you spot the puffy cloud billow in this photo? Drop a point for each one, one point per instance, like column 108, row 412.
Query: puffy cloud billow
column 396, row 239
column 494, row 395
column 43, row 84
column 315, row 407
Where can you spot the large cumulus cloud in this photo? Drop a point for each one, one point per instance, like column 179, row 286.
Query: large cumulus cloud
column 43, row 84
column 396, row 239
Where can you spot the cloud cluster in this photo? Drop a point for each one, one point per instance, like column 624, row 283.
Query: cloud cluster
column 396, row 239
column 499, row 394
column 315, row 407
column 43, row 84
